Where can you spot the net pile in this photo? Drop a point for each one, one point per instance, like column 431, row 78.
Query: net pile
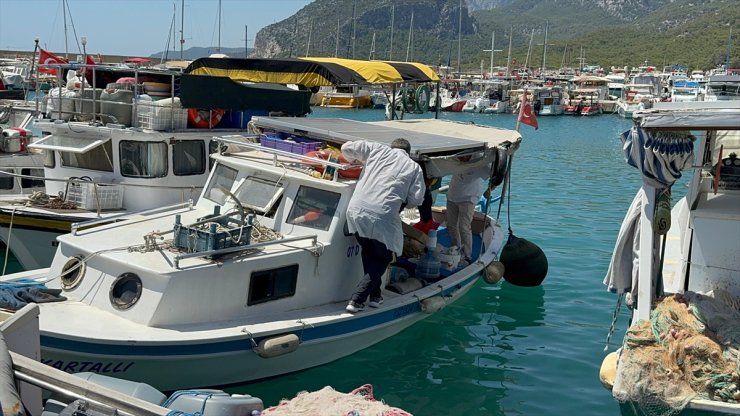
column 329, row 402
column 688, row 350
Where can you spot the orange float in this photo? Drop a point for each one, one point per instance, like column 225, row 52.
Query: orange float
column 204, row 119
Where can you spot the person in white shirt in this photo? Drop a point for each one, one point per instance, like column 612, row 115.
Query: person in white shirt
column 390, row 181
column 464, row 192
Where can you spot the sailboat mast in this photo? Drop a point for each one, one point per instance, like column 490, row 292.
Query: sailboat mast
column 354, row 26
column 308, row 44
column 529, row 50
column 218, row 49
column 336, row 47
column 508, row 58
column 411, row 36
column 246, row 41
column 493, row 42
column 64, row 13
column 544, row 50
column 372, row 49
column 562, row 63
column 459, row 37
column 182, row 27
column 393, row 17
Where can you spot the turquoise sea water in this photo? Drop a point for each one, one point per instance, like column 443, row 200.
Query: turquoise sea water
column 502, row 349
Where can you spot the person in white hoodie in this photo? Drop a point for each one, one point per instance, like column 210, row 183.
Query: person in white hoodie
column 464, row 192
column 390, row 181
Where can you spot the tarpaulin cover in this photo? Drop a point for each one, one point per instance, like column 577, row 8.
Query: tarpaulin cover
column 313, row 72
column 209, row 92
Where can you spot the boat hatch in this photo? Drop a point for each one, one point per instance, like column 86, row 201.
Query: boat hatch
column 257, row 193
column 68, row 143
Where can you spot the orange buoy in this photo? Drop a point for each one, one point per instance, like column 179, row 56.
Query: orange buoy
column 204, row 119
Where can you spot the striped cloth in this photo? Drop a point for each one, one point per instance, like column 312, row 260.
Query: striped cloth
column 660, row 157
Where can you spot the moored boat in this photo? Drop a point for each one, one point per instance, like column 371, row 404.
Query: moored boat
column 677, row 268
column 252, row 280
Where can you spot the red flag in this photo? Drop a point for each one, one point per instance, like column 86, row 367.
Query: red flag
column 46, row 58
column 90, row 61
column 526, row 115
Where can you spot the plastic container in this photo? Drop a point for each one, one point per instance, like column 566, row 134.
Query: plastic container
column 86, row 196
column 161, row 115
column 13, row 140
column 449, row 260
column 117, row 103
column 84, row 103
column 288, row 145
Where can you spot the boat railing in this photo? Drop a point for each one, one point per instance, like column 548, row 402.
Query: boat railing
column 93, row 103
column 242, row 140
column 236, row 249
column 76, row 226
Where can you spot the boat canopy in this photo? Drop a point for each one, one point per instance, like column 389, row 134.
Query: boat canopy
column 692, row 116
column 313, row 72
column 427, row 137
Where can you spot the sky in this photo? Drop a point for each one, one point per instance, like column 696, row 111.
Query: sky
column 136, row 27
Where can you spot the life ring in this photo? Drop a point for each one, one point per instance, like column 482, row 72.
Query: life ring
column 351, row 173
column 422, row 98
column 409, row 100
column 200, row 118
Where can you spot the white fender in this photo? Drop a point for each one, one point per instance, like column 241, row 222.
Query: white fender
column 276, row 346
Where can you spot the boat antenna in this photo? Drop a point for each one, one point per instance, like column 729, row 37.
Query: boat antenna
column 354, row 26
column 729, row 45
column 66, row 46
column 336, row 48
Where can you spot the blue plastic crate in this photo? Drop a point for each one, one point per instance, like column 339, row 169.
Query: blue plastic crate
column 297, row 147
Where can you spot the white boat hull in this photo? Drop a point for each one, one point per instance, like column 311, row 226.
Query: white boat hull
column 230, row 359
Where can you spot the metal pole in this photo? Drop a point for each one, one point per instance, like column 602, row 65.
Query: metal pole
column 459, row 37
column 182, row 28
column 393, row 17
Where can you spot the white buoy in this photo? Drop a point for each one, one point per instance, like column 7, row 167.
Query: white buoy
column 494, row 272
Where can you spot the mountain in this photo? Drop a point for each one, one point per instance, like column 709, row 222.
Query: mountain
column 199, row 52
column 604, row 32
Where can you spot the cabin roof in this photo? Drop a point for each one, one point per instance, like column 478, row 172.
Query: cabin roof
column 427, row 137
column 711, row 115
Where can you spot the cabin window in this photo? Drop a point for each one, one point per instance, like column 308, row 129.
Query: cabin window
column 96, row 158
column 212, row 148
column 143, row 159
column 188, row 157
column 258, row 194
column 273, row 284
column 220, row 184
column 6, row 181
column 313, row 208
column 27, row 182
column 49, row 161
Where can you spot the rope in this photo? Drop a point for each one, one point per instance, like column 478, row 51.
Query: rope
column 615, row 316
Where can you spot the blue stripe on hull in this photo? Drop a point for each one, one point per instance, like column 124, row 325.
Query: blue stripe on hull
column 345, row 327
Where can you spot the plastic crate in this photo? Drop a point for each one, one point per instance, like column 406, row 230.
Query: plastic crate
column 90, row 196
column 221, row 232
column 152, row 116
column 299, row 147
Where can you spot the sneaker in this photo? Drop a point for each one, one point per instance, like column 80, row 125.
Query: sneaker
column 375, row 302
column 354, row 307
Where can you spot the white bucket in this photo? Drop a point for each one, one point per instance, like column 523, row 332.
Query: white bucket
column 448, row 262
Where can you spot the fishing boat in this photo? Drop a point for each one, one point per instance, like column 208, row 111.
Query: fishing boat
column 23, row 166
column 677, row 269
column 347, row 96
column 686, row 91
column 723, row 88
column 252, row 280
column 156, row 151
column 635, row 97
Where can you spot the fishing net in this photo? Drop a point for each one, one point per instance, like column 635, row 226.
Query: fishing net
column 329, row 402
column 688, row 350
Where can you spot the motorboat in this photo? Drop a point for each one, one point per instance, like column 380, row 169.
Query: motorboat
column 676, row 266
column 252, row 280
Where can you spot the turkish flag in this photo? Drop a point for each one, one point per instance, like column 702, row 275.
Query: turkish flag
column 526, row 115
column 46, row 58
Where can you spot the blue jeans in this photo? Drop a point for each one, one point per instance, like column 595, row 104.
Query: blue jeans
column 375, row 259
